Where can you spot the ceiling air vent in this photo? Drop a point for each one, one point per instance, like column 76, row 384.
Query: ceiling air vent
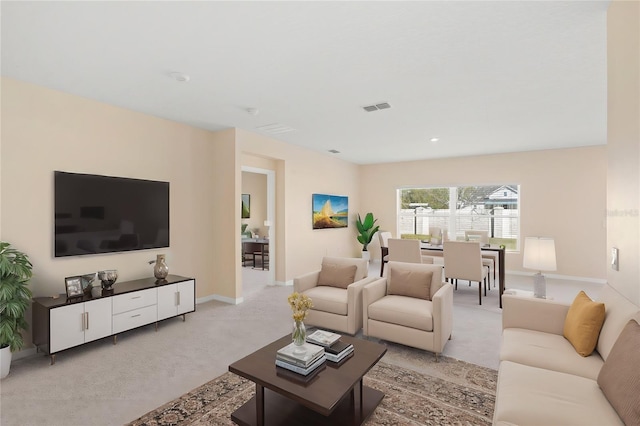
column 376, row 107
column 275, row 128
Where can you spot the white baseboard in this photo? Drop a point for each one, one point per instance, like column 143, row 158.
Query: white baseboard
column 219, row 298
column 560, row 277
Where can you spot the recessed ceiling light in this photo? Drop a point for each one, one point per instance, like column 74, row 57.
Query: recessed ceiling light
column 434, row 139
column 334, row 151
column 178, row 76
column 253, row 111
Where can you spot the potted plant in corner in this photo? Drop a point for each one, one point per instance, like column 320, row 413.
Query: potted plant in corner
column 366, row 231
column 15, row 273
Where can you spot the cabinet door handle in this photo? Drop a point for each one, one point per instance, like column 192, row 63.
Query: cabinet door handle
column 133, row 316
column 83, row 321
column 178, row 299
column 87, row 314
column 136, row 297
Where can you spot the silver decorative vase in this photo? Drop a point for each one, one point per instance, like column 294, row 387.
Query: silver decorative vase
column 160, row 269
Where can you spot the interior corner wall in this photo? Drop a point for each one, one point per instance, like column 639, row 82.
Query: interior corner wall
column 563, row 195
column 45, row 130
column 301, row 173
column 623, row 145
column 255, row 184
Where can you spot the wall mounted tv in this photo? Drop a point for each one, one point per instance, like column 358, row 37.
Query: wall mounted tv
column 103, row 214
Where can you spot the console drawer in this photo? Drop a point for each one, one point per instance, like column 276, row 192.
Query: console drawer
column 136, row 318
column 137, row 299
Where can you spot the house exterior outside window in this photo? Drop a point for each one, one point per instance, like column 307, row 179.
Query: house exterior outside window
column 454, row 210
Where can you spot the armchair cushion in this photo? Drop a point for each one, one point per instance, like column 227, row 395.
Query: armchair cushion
column 410, row 283
column 336, row 275
column 329, row 299
column 619, row 377
column 583, row 323
column 406, row 311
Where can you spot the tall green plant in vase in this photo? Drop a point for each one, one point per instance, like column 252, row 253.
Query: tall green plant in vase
column 366, row 231
column 15, row 296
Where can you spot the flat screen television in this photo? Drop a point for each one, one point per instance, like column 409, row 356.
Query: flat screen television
column 104, row 214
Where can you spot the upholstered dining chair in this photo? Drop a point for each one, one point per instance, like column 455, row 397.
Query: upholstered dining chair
column 490, row 258
column 336, row 293
column 406, row 250
column 463, row 260
column 410, row 305
column 384, row 236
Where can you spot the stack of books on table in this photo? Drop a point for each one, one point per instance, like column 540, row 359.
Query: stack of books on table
column 323, row 338
column 338, row 351
column 335, row 349
column 301, row 359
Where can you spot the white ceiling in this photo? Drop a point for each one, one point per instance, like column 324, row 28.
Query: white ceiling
column 484, row 77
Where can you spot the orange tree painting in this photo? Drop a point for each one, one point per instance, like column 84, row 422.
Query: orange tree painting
column 330, row 211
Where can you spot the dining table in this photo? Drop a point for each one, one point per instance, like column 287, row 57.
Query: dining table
column 437, row 249
column 263, row 244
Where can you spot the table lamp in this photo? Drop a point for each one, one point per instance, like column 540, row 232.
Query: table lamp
column 267, row 224
column 540, row 255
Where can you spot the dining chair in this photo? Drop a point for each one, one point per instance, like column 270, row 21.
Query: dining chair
column 491, row 258
column 384, row 249
column 463, row 260
column 406, row 250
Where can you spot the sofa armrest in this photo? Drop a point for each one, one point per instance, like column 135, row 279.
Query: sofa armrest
column 306, row 281
column 442, row 316
column 533, row 314
column 370, row 293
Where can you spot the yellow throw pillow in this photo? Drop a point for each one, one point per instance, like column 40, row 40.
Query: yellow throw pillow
column 583, row 323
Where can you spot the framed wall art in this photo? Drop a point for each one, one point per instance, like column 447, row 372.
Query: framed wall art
column 246, row 206
column 330, row 211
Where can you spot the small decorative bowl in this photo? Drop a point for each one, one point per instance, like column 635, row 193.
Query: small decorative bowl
column 108, row 278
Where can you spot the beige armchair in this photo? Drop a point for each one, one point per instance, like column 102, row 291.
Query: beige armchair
column 410, row 305
column 336, row 293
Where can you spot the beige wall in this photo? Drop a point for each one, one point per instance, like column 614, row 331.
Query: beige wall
column 45, row 130
column 562, row 196
column 255, row 184
column 623, row 145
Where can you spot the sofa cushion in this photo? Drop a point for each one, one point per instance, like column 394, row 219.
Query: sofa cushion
column 619, row 311
column 549, row 351
column 619, row 378
column 406, row 311
column 336, row 275
column 328, row 299
column 583, row 323
column 535, row 396
column 403, row 282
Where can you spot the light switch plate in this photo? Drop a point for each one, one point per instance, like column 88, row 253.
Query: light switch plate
column 614, row 259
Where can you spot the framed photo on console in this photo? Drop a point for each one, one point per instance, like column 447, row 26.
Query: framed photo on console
column 73, row 286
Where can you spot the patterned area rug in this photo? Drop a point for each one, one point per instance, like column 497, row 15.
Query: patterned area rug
column 451, row 392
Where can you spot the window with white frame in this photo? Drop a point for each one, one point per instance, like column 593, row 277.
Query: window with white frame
column 454, row 211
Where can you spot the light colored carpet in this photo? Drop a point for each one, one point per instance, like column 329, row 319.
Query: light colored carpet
column 103, row 384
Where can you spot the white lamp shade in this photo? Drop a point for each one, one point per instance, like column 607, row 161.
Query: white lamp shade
column 539, row 254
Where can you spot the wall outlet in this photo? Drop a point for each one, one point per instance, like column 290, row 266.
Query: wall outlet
column 614, row 259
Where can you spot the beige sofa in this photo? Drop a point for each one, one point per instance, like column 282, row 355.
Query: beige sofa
column 542, row 380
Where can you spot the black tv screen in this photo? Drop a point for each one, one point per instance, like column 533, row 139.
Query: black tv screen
column 103, row 214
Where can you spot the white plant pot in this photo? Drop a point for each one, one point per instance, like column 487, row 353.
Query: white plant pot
column 5, row 361
column 366, row 255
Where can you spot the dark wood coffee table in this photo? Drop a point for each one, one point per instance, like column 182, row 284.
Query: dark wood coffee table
column 334, row 395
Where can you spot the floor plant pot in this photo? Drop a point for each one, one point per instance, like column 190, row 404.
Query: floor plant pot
column 366, row 255
column 5, row 361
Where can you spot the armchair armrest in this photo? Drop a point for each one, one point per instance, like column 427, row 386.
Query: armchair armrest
column 354, row 303
column 442, row 316
column 306, row 281
column 533, row 314
column 371, row 292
